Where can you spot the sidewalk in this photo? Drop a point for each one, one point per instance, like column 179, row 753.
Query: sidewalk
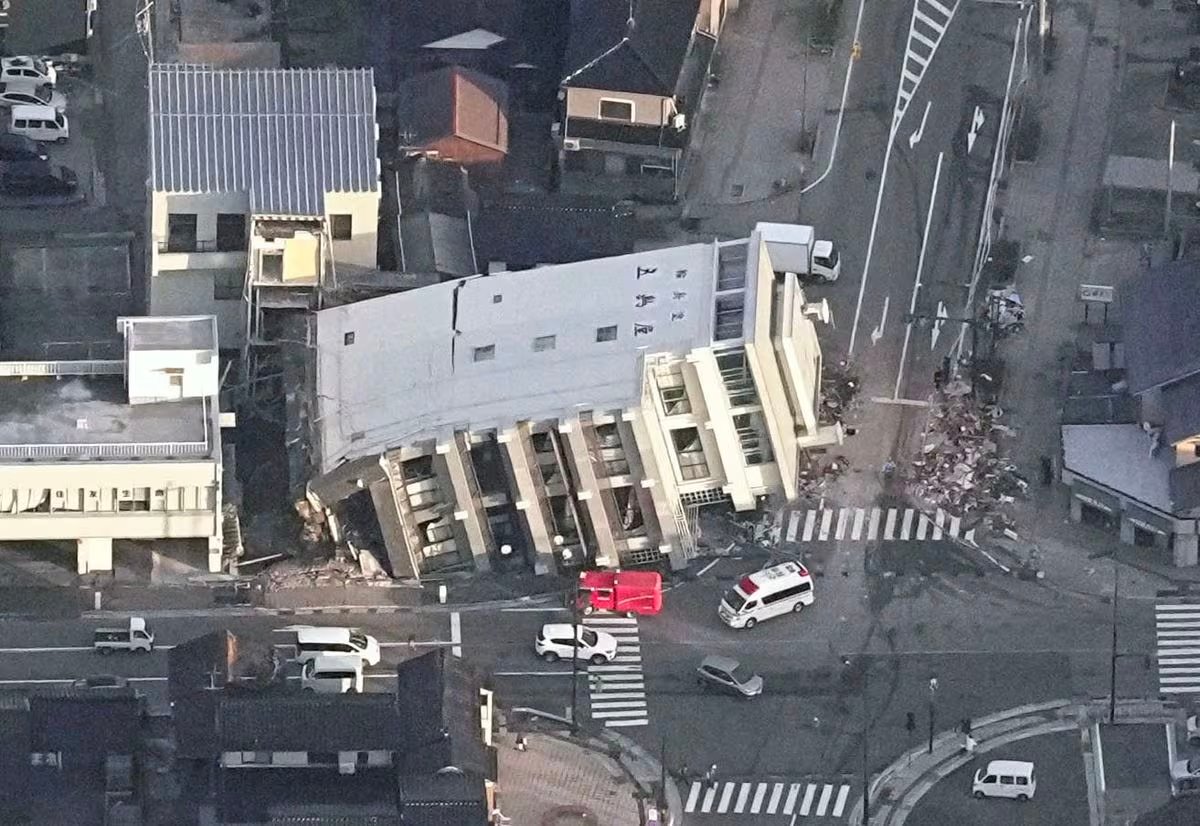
column 594, row 778
column 897, row 789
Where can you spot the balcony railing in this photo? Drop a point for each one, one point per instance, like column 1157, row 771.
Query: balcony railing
column 90, row 367
column 189, row 245
column 96, row 450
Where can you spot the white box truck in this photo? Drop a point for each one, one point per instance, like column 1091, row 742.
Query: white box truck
column 794, row 248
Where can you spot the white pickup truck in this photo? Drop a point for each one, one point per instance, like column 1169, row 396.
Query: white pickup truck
column 136, row 638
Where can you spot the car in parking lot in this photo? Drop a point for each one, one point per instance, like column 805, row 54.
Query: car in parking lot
column 21, row 95
column 730, row 675
column 37, row 178
column 555, row 642
column 20, row 148
column 31, row 71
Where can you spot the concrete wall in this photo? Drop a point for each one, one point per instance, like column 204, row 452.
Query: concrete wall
column 363, row 208
column 648, row 110
column 191, row 293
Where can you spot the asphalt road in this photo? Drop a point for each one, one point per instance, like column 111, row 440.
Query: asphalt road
column 1061, row 796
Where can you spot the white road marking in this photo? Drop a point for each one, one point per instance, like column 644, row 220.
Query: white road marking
column 823, row 805
column 789, row 805
column 455, row 634
column 840, row 803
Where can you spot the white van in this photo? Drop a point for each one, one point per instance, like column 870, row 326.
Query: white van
column 1005, row 778
column 312, row 642
column 39, row 123
column 768, row 593
column 333, row 674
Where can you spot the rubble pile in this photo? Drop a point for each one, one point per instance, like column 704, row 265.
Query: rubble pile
column 345, row 570
column 839, row 387
column 813, row 479
column 960, row 468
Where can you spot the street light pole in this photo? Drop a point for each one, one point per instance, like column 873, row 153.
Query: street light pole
column 866, row 770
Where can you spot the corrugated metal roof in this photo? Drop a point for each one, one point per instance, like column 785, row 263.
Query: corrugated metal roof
column 286, row 136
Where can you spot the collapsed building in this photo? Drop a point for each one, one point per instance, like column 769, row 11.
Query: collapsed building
column 566, row 415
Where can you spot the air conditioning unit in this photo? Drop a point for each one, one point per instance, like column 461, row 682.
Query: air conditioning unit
column 571, row 144
column 679, row 121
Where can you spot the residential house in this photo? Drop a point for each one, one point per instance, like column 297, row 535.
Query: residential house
column 69, row 750
column 262, row 751
column 633, row 75
column 101, row 450
column 517, row 232
column 1131, row 452
column 236, row 34
column 570, row 414
column 244, row 162
column 454, row 114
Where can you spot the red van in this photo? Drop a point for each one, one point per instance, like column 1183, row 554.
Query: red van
column 625, row 592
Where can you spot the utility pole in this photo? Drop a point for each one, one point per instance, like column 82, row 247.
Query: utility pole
column 1112, row 665
column 866, row 731
column 575, row 657
column 933, row 685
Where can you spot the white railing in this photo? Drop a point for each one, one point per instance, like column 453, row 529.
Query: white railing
column 88, row 367
column 97, row 450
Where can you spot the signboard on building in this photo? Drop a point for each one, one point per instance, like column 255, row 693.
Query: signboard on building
column 1097, row 293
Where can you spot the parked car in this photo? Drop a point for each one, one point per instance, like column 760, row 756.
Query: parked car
column 1186, row 769
column 31, row 71
column 1193, row 730
column 554, row 642
column 730, row 675
column 101, row 681
column 20, row 148
column 1005, row 778
column 37, row 178
column 333, row 674
column 17, row 95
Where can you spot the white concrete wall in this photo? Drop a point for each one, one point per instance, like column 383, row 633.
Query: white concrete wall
column 363, row 209
column 148, row 377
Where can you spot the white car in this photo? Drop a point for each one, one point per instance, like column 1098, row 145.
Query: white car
column 1188, row 769
column 554, row 641
column 16, row 95
column 27, row 71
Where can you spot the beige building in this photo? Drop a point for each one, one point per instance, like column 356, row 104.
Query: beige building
column 569, row 414
column 93, row 451
column 233, row 147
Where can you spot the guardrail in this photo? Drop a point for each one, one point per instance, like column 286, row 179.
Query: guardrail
column 83, row 367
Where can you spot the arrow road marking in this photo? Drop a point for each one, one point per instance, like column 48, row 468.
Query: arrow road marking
column 976, row 124
column 916, row 136
column 942, row 315
column 877, row 333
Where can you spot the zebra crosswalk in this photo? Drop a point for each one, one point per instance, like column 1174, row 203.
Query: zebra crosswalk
column 804, row 799
column 617, row 690
column 1177, row 631
column 821, row 524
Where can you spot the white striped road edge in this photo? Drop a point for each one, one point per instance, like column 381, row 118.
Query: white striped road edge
column 871, row 524
column 804, row 799
column 617, row 690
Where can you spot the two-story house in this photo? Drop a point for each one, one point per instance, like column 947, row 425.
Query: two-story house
column 634, row 74
column 1132, row 457
column 243, row 154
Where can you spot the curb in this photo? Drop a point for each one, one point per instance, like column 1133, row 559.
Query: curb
column 626, row 747
column 252, row 611
column 1016, row 724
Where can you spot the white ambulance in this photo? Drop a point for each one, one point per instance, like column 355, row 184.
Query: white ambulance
column 780, row 589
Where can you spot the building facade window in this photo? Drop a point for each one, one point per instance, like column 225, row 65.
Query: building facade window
column 543, row 343
column 690, row 452
column 231, row 232
column 485, row 353
column 341, row 227
column 608, row 333
column 673, row 393
column 181, row 232
column 621, row 110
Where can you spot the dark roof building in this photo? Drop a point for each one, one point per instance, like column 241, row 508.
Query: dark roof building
column 526, row 231
column 459, row 113
column 644, row 53
column 433, row 232
column 1165, row 300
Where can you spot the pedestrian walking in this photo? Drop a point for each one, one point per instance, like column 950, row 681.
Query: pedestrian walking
column 1147, row 255
column 710, row 777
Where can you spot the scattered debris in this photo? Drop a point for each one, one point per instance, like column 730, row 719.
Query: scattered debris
column 839, row 388
column 960, row 468
column 813, row 479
